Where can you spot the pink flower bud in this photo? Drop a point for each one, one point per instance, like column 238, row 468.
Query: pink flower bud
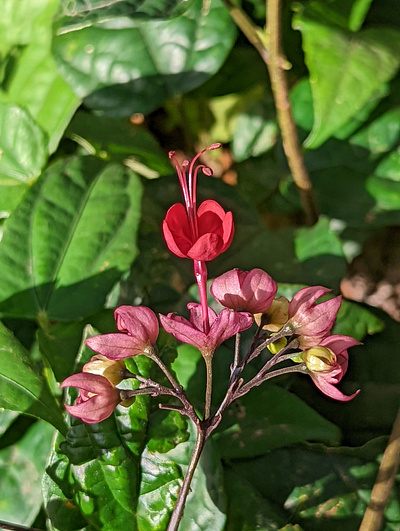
column 222, row 326
column 327, row 364
column 250, row 291
column 139, row 331
column 310, row 321
column 97, row 397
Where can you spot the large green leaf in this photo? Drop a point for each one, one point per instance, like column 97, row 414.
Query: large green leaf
column 270, row 417
column 347, row 13
column 76, row 235
column 135, row 65
column 346, row 70
column 21, row 469
column 322, row 489
column 84, row 12
column 37, row 86
column 23, row 154
column 22, row 388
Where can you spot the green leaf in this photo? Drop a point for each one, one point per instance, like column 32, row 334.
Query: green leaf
column 81, row 13
column 76, row 236
column 257, row 513
column 37, row 86
column 205, row 506
column 121, row 141
column 320, row 488
column 355, row 321
column 135, row 66
column 317, row 240
column 23, row 154
column 346, row 70
column 349, row 14
column 21, row 470
column 382, row 134
column 255, row 130
column 161, row 479
column 23, row 22
column 7, row 417
column 22, row 388
column 269, row 417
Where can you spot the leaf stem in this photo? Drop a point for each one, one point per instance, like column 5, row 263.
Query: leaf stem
column 291, row 144
column 184, row 491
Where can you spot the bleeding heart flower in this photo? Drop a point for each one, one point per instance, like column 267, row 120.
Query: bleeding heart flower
column 139, row 331
column 250, row 291
column 327, row 364
column 97, row 397
column 201, row 233
column 222, row 326
column 310, row 321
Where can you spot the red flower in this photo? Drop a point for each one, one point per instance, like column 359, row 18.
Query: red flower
column 97, row 397
column 200, row 234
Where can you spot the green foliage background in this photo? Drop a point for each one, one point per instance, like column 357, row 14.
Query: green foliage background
column 92, row 98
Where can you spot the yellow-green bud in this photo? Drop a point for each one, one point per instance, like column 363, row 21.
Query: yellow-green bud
column 275, row 347
column 113, row 370
column 277, row 315
column 319, row 359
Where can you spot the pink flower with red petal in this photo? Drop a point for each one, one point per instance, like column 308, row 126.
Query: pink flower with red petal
column 97, row 397
column 250, row 291
column 310, row 321
column 138, row 328
column 327, row 364
column 222, row 326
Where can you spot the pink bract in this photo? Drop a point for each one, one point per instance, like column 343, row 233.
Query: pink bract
column 250, row 291
column 139, row 330
column 311, row 321
column 326, row 381
column 222, row 326
column 97, row 397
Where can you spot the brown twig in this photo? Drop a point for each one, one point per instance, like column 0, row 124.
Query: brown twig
column 373, row 516
column 291, row 144
column 275, row 61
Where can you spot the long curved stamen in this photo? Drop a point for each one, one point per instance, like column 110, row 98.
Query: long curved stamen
column 182, row 179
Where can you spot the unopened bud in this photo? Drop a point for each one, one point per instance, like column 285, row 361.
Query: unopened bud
column 319, row 359
column 113, row 370
column 278, row 345
column 277, row 315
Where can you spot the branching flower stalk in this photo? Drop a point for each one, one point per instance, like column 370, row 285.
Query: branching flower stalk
column 290, row 337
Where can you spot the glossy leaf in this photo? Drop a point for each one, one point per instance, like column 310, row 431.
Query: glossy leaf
column 21, row 469
column 7, row 417
column 122, row 141
column 349, row 14
column 255, row 130
column 320, row 488
column 205, row 506
column 346, row 70
column 382, row 134
column 257, row 513
column 134, row 66
column 68, row 255
column 355, row 321
column 317, row 240
column 22, row 388
column 269, row 417
column 23, row 154
column 37, row 86
column 83, row 12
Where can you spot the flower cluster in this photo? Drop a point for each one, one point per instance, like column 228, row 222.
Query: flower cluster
column 298, row 330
